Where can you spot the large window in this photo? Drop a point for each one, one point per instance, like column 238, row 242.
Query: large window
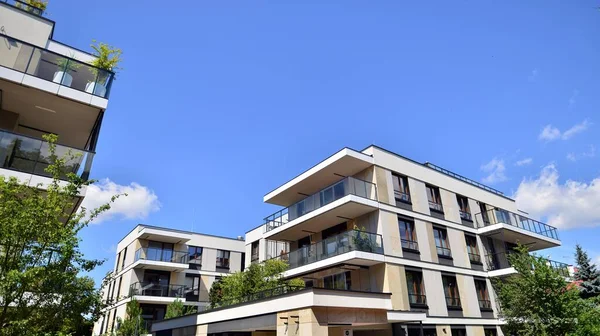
column 483, row 295
column 338, row 281
column 416, row 289
column 472, row 249
column 490, row 332
column 484, row 213
column 433, row 196
column 160, row 251
column 192, row 287
column 441, row 242
column 401, row 192
column 408, row 237
column 195, row 257
column 254, row 256
column 222, row 259
column 451, row 291
column 459, row 332
column 463, row 207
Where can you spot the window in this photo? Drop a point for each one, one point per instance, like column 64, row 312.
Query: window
column 451, row 291
column 401, row 192
column 483, row 295
column 408, row 236
column 192, row 287
column 435, row 201
column 124, row 256
column 441, row 242
column 472, row 250
column 416, row 331
column 112, row 293
column 112, row 327
column 416, row 290
column 195, row 257
column 490, row 332
column 338, row 281
column 484, row 214
column 254, row 256
column 222, row 259
column 159, row 251
column 463, row 207
column 459, row 332
column 117, row 263
column 119, row 287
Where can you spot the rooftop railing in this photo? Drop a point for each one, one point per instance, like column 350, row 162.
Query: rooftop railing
column 155, row 289
column 26, row 7
column 462, row 178
column 345, row 187
column 500, row 260
column 159, row 254
column 45, row 64
column 353, row 240
column 501, row 216
column 30, row 155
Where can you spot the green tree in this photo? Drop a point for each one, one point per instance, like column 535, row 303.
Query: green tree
column 255, row 279
column 587, row 275
column 41, row 286
column 537, row 300
column 133, row 324
column 177, row 308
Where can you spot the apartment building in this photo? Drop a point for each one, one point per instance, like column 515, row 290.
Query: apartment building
column 46, row 87
column 385, row 246
column 157, row 266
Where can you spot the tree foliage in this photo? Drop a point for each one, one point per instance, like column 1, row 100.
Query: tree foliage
column 41, row 287
column 177, row 308
column 587, row 275
column 133, row 324
column 256, row 278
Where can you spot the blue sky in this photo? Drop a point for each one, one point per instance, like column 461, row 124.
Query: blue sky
column 220, row 102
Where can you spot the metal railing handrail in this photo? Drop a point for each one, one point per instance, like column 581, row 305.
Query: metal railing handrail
column 462, row 178
column 501, row 216
column 557, row 265
column 453, row 301
column 420, row 298
column 410, row 243
column 476, row 257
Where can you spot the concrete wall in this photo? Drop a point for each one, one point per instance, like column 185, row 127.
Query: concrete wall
column 418, row 196
column 434, row 290
column 8, row 120
column 458, row 247
column 24, row 26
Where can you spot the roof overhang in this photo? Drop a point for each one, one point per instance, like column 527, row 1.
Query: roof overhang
column 513, row 234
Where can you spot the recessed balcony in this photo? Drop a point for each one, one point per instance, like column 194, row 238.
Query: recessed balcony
column 161, row 259
column 345, row 199
column 515, row 228
column 23, row 154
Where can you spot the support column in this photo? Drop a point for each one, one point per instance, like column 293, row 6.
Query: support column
column 202, row 330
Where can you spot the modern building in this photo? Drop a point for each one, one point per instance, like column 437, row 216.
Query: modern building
column 386, row 246
column 157, row 266
column 46, row 87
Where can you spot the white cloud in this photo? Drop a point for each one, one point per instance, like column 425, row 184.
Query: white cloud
column 568, row 205
column 550, row 132
column 533, row 75
column 524, row 162
column 590, row 153
column 138, row 204
column 495, row 169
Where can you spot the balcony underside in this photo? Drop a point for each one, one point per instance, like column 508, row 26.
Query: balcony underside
column 515, row 235
column 160, row 265
column 164, row 236
column 73, row 122
column 346, row 162
column 157, row 299
column 346, row 261
column 339, row 211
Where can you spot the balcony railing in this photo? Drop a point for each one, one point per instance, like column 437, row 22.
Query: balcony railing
column 453, row 302
column 25, row 6
column 475, row 258
column 485, row 304
column 443, row 251
column 436, row 206
column 417, row 299
column 30, row 155
column 352, row 240
column 402, row 197
column 410, row 244
column 154, row 289
column 272, row 292
column 465, row 215
column 501, row 216
column 501, row 260
column 158, row 254
column 66, row 71
column 345, row 187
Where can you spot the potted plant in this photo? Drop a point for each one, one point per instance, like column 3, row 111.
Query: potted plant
column 107, row 58
column 33, row 6
column 65, row 65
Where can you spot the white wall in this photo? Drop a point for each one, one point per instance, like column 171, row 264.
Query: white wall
column 24, row 26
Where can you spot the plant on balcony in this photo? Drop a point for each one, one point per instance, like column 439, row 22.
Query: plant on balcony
column 40, row 253
column 177, row 308
column 107, row 58
column 64, row 66
column 362, row 240
column 32, row 5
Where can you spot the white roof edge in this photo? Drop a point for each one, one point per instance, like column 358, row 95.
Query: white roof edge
column 338, row 155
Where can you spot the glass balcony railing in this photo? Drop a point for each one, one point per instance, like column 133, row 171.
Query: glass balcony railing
column 155, row 289
column 353, row 240
column 500, row 260
column 345, row 187
column 30, row 8
column 158, row 254
column 53, row 67
column 501, row 216
column 29, row 155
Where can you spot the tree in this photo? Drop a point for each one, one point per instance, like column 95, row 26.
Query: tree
column 177, row 308
column 133, row 324
column 41, row 287
column 537, row 300
column 587, row 276
column 252, row 283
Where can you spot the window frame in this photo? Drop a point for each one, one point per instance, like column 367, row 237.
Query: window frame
column 408, row 243
column 434, row 198
column 402, row 193
column 451, row 292
column 254, row 255
column 221, row 260
column 473, row 250
column 463, row 208
column 418, row 288
column 483, row 295
column 442, row 237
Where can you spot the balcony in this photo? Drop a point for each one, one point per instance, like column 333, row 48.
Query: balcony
column 20, row 153
column 26, row 7
column 516, row 228
column 149, row 292
column 349, row 241
column 348, row 198
column 499, row 265
column 161, row 259
column 57, row 71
